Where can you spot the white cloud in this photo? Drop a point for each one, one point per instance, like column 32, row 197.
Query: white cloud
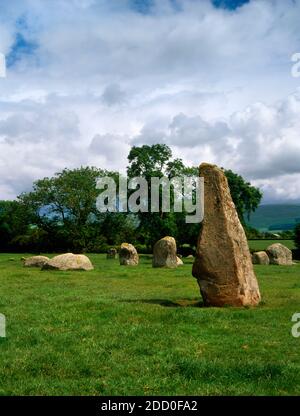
column 113, row 95
column 213, row 84
column 261, row 142
column 109, row 148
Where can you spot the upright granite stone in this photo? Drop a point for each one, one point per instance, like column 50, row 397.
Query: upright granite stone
column 164, row 253
column 128, row 255
column 223, row 265
column 69, row 261
column 280, row 255
column 260, row 257
column 35, row 261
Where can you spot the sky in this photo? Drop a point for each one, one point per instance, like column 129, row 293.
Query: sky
column 88, row 79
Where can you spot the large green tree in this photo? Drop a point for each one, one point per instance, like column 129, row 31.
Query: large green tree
column 297, row 236
column 60, row 212
column 15, row 220
column 156, row 160
column 148, row 161
column 65, row 208
column 245, row 196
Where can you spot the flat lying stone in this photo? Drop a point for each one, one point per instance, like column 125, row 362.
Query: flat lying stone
column 69, row 261
column 35, row 261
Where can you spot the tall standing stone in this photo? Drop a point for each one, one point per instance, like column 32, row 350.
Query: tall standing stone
column 223, row 265
column 164, row 253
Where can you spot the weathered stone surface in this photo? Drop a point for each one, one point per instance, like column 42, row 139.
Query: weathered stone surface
column 260, row 257
column 179, row 261
column 280, row 255
column 223, row 265
column 164, row 253
column 112, row 253
column 69, row 261
column 35, row 261
column 128, row 255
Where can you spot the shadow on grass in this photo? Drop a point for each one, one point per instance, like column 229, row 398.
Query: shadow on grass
column 182, row 303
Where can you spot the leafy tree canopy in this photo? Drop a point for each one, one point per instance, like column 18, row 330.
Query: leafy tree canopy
column 60, row 212
column 297, row 236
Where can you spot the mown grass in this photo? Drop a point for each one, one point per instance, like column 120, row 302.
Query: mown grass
column 143, row 331
column 263, row 244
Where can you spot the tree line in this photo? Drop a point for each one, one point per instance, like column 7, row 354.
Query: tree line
column 59, row 214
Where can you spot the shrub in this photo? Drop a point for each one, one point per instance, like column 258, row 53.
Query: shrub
column 297, row 235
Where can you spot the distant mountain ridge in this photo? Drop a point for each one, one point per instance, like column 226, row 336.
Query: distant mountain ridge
column 275, row 217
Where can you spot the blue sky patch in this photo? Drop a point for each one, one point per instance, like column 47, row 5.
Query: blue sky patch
column 145, row 6
column 20, row 48
column 230, row 4
column 142, row 6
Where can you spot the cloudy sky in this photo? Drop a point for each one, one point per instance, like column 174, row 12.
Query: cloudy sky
column 87, row 79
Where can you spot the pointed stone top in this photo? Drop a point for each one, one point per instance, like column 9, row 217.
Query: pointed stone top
column 209, row 167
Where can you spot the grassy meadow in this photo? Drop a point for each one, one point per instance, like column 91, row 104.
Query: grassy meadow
column 263, row 244
column 141, row 331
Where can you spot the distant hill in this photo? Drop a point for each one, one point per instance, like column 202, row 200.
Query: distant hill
column 275, row 217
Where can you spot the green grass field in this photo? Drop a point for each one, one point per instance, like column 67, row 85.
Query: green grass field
column 263, row 244
column 143, row 331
